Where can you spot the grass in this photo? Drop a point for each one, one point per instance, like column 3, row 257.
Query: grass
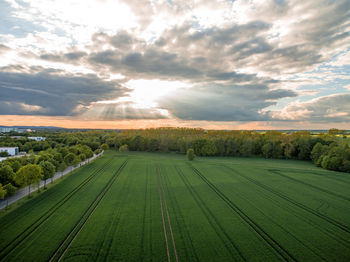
column 161, row 207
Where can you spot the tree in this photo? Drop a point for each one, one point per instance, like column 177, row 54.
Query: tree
column 2, row 192
column 4, row 154
column 209, row 148
column 123, row 148
column 6, row 174
column 10, row 191
column 104, row 146
column 48, row 170
column 28, row 175
column 316, row 153
column 190, row 154
column 69, row 159
column 82, row 157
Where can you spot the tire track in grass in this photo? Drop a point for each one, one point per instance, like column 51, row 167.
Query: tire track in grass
column 9, row 248
column 116, row 223
column 108, row 236
column 307, row 209
column 283, row 207
column 177, row 213
column 212, row 220
column 307, row 184
column 279, row 249
column 142, row 240
column 329, row 233
column 150, row 224
column 326, row 231
column 163, row 220
column 325, row 173
column 183, row 229
column 66, row 243
column 167, row 212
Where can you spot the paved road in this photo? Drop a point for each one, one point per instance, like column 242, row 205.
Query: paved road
column 25, row 191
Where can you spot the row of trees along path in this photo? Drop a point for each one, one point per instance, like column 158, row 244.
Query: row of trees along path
column 25, row 191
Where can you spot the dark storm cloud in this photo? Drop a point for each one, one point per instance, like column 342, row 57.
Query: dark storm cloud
column 149, row 63
column 48, row 94
column 223, row 103
column 69, row 57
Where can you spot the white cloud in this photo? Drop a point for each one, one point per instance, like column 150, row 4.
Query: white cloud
column 341, row 60
column 332, row 108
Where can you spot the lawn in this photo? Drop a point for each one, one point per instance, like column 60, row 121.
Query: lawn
column 161, row 207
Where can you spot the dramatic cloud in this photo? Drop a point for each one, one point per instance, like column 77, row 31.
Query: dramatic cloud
column 227, row 103
column 335, row 108
column 186, row 60
column 52, row 94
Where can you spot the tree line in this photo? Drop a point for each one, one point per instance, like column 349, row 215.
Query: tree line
column 329, row 150
column 44, row 159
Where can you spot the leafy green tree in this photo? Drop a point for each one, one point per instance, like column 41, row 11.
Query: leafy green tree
column 48, row 170
column 153, row 145
column 304, row 149
column 28, row 175
column 209, row 148
column 345, row 166
column 10, row 191
column 4, row 154
column 62, row 167
column 69, row 159
column 14, row 163
column 6, row 174
column 316, row 153
column 123, row 148
column 2, row 192
column 190, row 154
column 104, row 146
column 82, row 157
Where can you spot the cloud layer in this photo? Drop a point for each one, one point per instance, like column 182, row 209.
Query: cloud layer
column 229, row 61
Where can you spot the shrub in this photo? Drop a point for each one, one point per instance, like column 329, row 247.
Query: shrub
column 123, row 148
column 190, row 154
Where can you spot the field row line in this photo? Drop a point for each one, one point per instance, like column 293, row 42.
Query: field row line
column 109, row 235
column 212, row 220
column 300, row 205
column 310, row 185
column 181, row 225
column 66, row 243
column 164, row 205
column 249, row 221
column 10, row 247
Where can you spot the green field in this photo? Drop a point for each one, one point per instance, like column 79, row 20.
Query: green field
column 161, row 207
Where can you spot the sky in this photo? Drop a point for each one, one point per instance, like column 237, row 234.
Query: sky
column 238, row 64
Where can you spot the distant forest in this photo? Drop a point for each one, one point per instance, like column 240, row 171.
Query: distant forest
column 62, row 148
column 328, row 150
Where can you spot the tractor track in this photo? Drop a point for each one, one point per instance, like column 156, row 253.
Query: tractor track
column 305, row 208
column 108, row 239
column 182, row 227
column 164, row 206
column 277, row 247
column 309, row 185
column 212, row 220
column 9, row 248
column 72, row 235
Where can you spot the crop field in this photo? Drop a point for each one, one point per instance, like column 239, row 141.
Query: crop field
column 161, row 207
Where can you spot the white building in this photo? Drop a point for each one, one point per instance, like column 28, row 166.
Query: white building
column 37, row 138
column 8, row 129
column 12, row 151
